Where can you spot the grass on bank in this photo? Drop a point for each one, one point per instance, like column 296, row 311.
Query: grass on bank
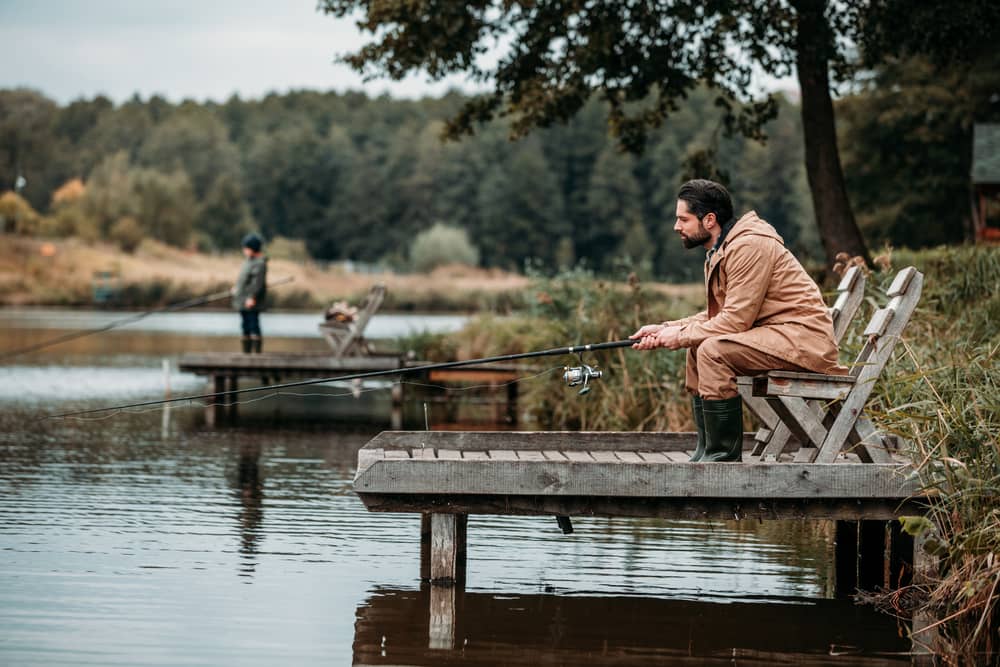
column 942, row 394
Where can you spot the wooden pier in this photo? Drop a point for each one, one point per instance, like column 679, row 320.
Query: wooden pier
column 446, row 476
column 224, row 371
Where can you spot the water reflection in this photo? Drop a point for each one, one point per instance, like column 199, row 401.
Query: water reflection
column 249, row 489
column 405, row 626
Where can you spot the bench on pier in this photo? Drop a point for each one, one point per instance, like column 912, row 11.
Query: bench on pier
column 850, row 295
column 825, row 413
column 446, row 476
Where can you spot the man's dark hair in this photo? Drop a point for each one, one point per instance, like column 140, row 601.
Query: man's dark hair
column 704, row 196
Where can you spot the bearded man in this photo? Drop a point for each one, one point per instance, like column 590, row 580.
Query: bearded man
column 764, row 313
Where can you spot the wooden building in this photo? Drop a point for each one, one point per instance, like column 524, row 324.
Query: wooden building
column 986, row 182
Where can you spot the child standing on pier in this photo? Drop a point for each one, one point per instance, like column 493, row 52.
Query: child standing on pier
column 250, row 292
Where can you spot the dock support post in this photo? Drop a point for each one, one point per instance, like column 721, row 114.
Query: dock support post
column 845, row 560
column 396, row 418
column 214, row 409
column 872, row 555
column 231, row 401
column 447, row 548
column 512, row 403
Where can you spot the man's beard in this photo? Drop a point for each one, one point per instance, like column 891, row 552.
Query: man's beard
column 700, row 238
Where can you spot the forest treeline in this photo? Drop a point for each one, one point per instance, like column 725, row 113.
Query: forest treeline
column 359, row 178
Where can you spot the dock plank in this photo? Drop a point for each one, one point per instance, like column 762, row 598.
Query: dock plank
column 449, row 454
column 477, row 474
column 544, row 441
column 654, row 457
column 578, row 456
column 396, row 454
column 530, row 455
column 554, row 455
column 503, row 455
column 629, row 457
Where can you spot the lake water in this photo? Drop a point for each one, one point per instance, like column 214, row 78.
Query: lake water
column 124, row 543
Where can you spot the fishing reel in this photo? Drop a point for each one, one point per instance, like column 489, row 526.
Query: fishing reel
column 581, row 375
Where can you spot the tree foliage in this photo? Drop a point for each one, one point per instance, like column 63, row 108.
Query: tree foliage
column 644, row 59
column 358, row 178
column 440, row 245
column 907, row 140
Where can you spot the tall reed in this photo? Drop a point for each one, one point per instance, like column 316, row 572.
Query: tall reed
column 942, row 395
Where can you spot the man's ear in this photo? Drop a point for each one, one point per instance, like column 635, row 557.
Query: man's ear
column 708, row 220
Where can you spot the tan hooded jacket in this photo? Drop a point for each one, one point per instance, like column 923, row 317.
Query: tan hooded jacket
column 760, row 296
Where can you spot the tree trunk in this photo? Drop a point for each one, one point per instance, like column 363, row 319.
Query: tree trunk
column 834, row 217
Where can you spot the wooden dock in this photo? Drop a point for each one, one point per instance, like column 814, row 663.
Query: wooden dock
column 446, row 476
column 225, row 370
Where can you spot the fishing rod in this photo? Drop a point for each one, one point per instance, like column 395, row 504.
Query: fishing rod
column 170, row 308
column 575, row 376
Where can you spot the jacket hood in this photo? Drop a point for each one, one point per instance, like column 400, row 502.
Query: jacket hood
column 751, row 225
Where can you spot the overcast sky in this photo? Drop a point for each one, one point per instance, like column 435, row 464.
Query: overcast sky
column 200, row 49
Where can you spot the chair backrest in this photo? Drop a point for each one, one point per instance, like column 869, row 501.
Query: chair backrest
column 372, row 302
column 850, row 295
column 887, row 323
column 346, row 337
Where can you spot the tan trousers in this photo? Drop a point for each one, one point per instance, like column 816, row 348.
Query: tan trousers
column 713, row 366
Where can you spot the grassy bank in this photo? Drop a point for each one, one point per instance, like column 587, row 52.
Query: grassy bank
column 941, row 393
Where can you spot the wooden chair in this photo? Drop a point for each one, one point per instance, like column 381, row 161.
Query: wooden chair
column 826, row 412
column 346, row 338
column 850, row 295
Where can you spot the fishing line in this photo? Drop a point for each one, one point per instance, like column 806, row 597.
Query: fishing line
column 298, row 394
column 170, row 308
column 573, row 376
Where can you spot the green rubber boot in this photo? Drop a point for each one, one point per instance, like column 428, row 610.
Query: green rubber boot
column 723, row 429
column 247, row 346
column 699, row 422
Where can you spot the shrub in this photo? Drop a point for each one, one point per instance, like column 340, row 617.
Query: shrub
column 442, row 244
column 16, row 215
column 68, row 220
column 127, row 233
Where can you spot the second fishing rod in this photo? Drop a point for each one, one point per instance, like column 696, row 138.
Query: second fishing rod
column 581, row 375
column 131, row 319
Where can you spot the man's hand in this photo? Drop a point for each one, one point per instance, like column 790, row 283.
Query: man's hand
column 250, row 302
column 653, row 336
column 644, row 336
column 648, row 330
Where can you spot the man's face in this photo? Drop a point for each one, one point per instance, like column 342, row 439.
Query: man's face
column 247, row 251
column 691, row 229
